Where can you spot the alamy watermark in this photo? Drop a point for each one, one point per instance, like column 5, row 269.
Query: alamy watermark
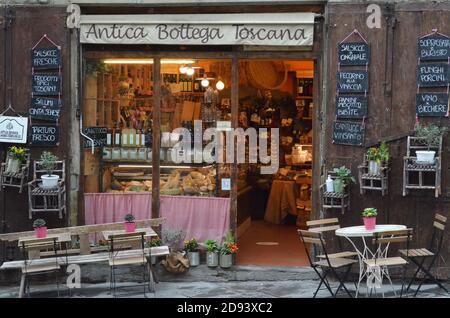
column 226, row 145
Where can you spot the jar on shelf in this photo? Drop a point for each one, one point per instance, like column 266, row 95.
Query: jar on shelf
column 115, row 155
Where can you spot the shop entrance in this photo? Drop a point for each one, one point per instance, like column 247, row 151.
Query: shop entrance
column 276, row 94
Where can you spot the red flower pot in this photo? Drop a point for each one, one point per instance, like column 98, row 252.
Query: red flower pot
column 369, row 223
column 41, row 232
column 130, row 226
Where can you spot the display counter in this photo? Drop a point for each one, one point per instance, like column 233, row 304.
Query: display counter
column 200, row 217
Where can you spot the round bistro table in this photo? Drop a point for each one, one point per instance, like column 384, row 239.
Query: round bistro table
column 353, row 232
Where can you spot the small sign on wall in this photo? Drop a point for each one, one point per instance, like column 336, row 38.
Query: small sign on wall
column 353, row 81
column 45, row 108
column 46, row 84
column 13, row 129
column 348, row 133
column 433, row 75
column 354, row 53
column 432, row 104
column 434, row 48
column 44, row 135
column 46, row 58
column 226, row 184
column 351, row 106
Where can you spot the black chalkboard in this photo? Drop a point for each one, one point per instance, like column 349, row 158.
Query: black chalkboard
column 432, row 104
column 46, row 58
column 348, row 133
column 44, row 135
column 46, row 84
column 352, row 81
column 434, row 48
column 96, row 133
column 45, row 108
column 354, row 53
column 433, row 74
column 351, row 106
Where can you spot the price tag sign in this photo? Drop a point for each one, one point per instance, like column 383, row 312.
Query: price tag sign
column 226, row 184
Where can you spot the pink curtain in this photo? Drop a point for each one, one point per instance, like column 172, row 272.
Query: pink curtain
column 200, row 217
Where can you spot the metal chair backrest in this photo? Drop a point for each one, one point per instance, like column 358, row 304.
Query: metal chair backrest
column 39, row 244
column 316, row 239
column 120, row 240
column 437, row 238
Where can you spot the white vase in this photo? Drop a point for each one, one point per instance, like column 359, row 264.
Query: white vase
column 49, row 181
column 194, row 258
column 425, row 156
column 374, row 167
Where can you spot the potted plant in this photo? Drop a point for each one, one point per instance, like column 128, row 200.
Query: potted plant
column 16, row 159
column 228, row 248
column 212, row 253
column 343, row 178
column 48, row 163
column 191, row 247
column 154, row 242
column 129, row 225
column 369, row 218
column 377, row 156
column 173, row 238
column 431, row 135
column 39, row 228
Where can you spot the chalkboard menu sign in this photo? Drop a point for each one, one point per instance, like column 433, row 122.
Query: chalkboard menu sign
column 44, row 135
column 354, row 53
column 351, row 106
column 348, row 133
column 432, row 104
column 98, row 134
column 45, row 108
column 46, row 84
column 433, row 74
column 353, row 81
column 434, row 48
column 46, row 58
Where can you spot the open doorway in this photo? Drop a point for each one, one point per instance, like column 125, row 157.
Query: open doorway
column 276, row 94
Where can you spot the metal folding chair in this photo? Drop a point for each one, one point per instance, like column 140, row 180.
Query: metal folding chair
column 326, row 264
column 31, row 265
column 418, row 256
column 384, row 239
column 118, row 257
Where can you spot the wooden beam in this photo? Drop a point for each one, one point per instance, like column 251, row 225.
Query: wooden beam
column 84, row 229
column 234, row 124
column 156, row 135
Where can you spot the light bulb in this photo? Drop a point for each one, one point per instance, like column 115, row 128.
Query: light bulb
column 183, row 69
column 190, row 71
column 205, row 82
column 220, row 85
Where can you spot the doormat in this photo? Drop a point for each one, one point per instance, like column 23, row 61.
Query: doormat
column 267, row 243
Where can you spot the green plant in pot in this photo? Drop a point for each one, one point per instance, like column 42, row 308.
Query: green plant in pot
column 369, row 218
column 173, row 238
column 228, row 248
column 377, row 156
column 191, row 247
column 154, row 242
column 48, row 162
column 17, row 157
column 212, row 253
column 431, row 137
column 39, row 228
column 343, row 179
column 130, row 224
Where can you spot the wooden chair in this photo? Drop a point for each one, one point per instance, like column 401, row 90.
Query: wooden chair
column 116, row 242
column 373, row 182
column 16, row 180
column 419, row 255
column 384, row 239
column 47, row 200
column 327, row 264
column 29, row 269
column 411, row 166
column 334, row 200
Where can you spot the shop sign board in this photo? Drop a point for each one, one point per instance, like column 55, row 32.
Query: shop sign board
column 432, row 104
column 434, row 48
column 44, row 135
column 44, row 108
column 46, row 58
column 353, row 81
column 280, row 29
column 13, row 129
column 354, row 53
column 348, row 106
column 46, row 84
column 98, row 134
column 433, row 75
column 348, row 133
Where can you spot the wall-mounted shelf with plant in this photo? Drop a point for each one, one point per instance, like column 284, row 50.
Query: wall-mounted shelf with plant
column 335, row 191
column 374, row 171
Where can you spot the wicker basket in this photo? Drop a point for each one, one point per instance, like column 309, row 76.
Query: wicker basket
column 266, row 74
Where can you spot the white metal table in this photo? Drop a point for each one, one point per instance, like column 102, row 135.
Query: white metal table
column 352, row 232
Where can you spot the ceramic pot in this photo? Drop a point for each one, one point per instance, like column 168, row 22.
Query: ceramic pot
column 212, row 259
column 226, row 260
column 49, row 181
column 370, row 223
column 194, row 258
